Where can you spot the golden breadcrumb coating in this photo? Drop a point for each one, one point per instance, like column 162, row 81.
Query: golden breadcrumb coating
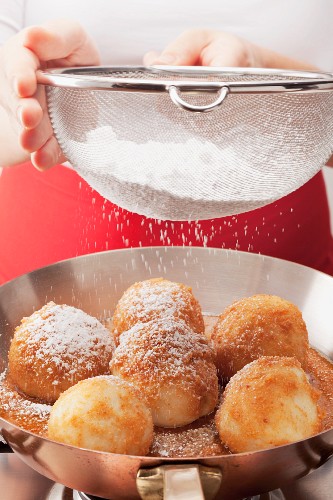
column 261, row 325
column 268, row 403
column 172, row 366
column 56, row 347
column 102, row 413
column 154, row 299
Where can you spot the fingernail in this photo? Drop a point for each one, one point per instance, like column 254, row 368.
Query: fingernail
column 33, row 161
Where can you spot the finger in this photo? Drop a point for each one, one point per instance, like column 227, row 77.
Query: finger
column 19, row 67
column 186, row 49
column 30, row 113
column 227, row 51
column 24, row 113
column 56, row 40
column 48, row 155
column 25, row 83
column 34, row 139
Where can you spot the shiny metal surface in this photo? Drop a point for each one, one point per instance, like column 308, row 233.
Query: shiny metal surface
column 95, row 283
column 176, row 99
column 179, row 482
column 82, row 78
column 20, row 482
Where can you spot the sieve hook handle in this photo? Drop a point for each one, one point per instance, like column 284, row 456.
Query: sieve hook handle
column 176, row 99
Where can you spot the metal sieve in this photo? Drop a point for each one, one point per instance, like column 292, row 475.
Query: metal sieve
column 186, row 143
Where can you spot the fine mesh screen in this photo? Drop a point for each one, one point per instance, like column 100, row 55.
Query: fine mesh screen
column 142, row 152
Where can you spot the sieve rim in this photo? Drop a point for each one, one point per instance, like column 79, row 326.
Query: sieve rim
column 79, row 77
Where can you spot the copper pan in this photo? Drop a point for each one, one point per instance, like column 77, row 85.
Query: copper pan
column 95, row 283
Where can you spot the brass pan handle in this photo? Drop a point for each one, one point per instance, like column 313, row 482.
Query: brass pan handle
column 173, row 482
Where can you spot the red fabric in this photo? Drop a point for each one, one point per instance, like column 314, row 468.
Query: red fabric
column 55, row 215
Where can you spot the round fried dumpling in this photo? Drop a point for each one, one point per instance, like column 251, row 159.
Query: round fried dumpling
column 262, row 325
column 172, row 366
column 268, row 403
column 56, row 347
column 102, row 413
column 156, row 298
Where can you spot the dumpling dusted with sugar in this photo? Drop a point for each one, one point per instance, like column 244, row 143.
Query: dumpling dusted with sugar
column 56, row 347
column 172, row 366
column 105, row 414
column 156, row 298
column 268, row 403
column 261, row 325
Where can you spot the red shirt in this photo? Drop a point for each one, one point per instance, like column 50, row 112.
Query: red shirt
column 54, row 215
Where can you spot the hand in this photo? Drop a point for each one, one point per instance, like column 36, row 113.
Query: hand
column 199, row 47
column 55, row 44
column 207, row 48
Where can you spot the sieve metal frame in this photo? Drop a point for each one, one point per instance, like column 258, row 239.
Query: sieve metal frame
column 76, row 78
column 79, row 77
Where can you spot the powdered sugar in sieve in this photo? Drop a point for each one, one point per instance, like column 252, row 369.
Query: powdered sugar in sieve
column 191, row 179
